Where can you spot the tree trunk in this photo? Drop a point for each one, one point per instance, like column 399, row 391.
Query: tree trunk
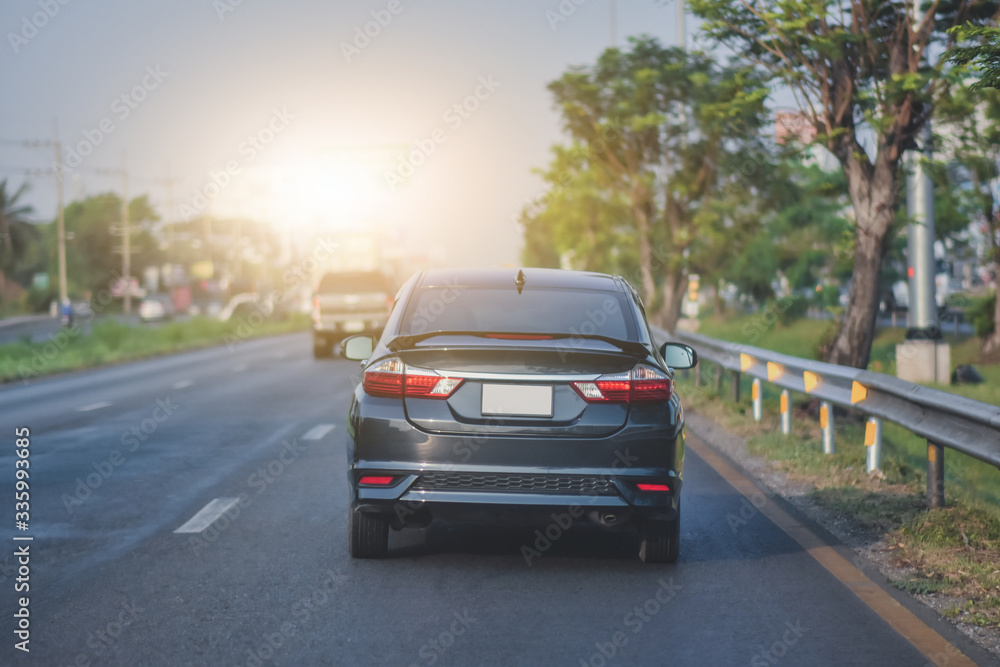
column 854, row 341
column 873, row 193
column 674, row 289
column 992, row 343
column 645, row 255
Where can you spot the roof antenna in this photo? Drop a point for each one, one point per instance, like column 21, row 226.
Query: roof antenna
column 519, row 281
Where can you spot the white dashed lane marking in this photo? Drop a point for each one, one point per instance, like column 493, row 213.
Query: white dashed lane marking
column 317, row 432
column 93, row 406
column 183, row 384
column 207, row 515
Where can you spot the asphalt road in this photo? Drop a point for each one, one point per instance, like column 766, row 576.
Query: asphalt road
column 123, row 456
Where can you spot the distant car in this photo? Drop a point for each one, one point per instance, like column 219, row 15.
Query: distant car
column 535, row 394
column 349, row 303
column 156, row 307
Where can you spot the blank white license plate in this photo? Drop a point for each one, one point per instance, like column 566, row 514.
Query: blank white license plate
column 521, row 400
column 354, row 325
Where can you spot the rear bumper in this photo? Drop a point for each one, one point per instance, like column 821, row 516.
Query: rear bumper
column 614, row 500
column 350, row 323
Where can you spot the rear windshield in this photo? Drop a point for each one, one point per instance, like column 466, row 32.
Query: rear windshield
column 357, row 281
column 503, row 310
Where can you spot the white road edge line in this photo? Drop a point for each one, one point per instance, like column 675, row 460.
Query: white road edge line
column 183, row 384
column 207, row 515
column 94, row 406
column 317, row 432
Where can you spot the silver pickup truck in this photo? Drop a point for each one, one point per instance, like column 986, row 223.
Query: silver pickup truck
column 349, row 303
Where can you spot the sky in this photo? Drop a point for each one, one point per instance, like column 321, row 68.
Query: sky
column 300, row 112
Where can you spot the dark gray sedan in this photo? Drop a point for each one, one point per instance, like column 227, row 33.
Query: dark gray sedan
column 536, row 395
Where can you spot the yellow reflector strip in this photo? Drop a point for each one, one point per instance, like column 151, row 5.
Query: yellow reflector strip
column 822, row 416
column 784, row 403
column 746, row 361
column 810, row 379
column 755, row 390
column 774, row 371
column 859, row 392
column 869, row 434
column 931, row 453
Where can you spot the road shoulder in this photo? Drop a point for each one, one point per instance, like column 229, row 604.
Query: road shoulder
column 838, row 546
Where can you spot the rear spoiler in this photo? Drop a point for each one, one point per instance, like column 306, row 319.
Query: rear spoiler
column 630, row 347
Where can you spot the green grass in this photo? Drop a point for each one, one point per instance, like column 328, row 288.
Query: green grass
column 112, row 342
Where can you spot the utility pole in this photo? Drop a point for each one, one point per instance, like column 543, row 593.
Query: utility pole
column 681, row 27
column 169, row 181
column 922, row 357
column 922, row 314
column 126, row 239
column 60, row 213
column 614, row 31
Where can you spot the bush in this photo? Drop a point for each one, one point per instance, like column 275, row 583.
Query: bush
column 791, row 308
column 980, row 313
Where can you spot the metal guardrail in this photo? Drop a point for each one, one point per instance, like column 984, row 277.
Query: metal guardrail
column 942, row 418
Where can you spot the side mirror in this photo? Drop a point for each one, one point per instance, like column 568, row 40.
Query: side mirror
column 357, row 348
column 679, row 355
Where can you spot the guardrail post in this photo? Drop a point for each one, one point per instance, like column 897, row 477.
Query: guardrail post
column 826, row 423
column 786, row 413
column 718, row 379
column 736, row 386
column 758, row 400
column 873, row 444
column 935, row 474
column 697, row 376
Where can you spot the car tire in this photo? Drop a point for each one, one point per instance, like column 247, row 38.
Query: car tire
column 660, row 540
column 369, row 535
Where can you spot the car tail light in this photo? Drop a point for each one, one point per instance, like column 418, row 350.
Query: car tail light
column 643, row 384
column 376, row 480
column 392, row 378
column 316, row 311
column 653, row 487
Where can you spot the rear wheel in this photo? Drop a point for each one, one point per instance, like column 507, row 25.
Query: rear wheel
column 660, row 540
column 369, row 535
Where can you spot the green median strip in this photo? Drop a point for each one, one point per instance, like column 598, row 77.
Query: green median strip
column 110, row 342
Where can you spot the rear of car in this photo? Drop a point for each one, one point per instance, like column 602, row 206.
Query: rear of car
column 533, row 395
column 156, row 307
column 349, row 303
